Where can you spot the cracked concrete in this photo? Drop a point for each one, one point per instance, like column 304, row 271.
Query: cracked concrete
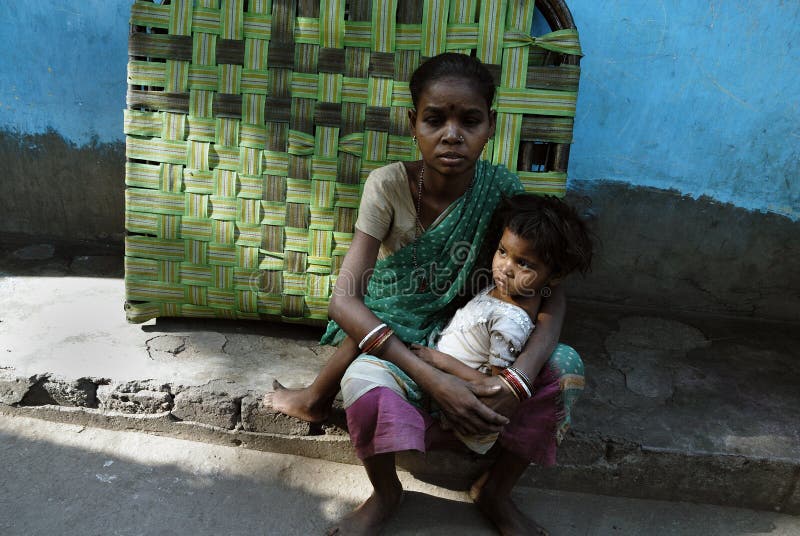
column 676, row 407
column 649, row 372
column 135, row 397
column 217, row 403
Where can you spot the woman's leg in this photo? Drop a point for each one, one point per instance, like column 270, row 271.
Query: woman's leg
column 369, row 518
column 381, row 422
column 313, row 403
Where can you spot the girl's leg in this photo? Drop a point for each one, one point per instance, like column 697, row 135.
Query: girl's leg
column 531, row 436
column 492, row 495
column 369, row 518
column 313, row 403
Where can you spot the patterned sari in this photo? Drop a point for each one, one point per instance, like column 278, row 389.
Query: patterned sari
column 417, row 299
column 448, row 263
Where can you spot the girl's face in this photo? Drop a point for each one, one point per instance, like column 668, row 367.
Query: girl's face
column 452, row 124
column 517, row 270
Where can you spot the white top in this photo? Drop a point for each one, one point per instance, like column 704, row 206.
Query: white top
column 486, row 331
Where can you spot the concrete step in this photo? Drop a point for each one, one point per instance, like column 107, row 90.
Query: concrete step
column 677, row 407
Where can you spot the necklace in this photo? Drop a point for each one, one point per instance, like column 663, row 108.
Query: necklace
column 418, row 230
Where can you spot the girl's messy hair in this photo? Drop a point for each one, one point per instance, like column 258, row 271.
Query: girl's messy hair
column 559, row 236
column 451, row 64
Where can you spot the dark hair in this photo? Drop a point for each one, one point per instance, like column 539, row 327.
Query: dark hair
column 451, row 64
column 558, row 235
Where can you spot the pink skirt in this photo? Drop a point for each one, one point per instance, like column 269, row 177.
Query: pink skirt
column 382, row 421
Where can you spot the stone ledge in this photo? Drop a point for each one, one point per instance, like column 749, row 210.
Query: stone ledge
column 219, row 404
column 221, row 412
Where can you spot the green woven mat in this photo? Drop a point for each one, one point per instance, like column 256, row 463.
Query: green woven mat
column 251, row 128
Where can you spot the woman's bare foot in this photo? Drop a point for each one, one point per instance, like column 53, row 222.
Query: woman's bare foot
column 371, row 516
column 502, row 511
column 302, row 403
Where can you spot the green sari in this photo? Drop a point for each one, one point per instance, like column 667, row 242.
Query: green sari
column 449, row 257
column 416, row 301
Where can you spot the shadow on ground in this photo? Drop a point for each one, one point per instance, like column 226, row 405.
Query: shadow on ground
column 22, row 255
column 72, row 479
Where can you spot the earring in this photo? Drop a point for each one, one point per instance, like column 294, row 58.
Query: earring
column 414, row 139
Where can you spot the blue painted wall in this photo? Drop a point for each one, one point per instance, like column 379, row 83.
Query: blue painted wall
column 701, row 97
column 63, row 67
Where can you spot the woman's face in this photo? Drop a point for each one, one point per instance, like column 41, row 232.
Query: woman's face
column 452, row 124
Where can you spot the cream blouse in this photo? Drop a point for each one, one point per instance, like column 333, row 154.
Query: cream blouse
column 387, row 211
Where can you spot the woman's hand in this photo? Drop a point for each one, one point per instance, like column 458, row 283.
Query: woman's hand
column 462, row 406
column 501, row 400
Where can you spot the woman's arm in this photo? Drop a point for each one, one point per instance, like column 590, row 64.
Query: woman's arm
column 458, row 399
column 537, row 350
column 347, row 302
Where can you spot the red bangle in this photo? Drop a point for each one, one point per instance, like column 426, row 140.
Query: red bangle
column 378, row 340
column 524, row 378
column 370, row 336
column 382, row 341
column 516, row 383
column 510, row 387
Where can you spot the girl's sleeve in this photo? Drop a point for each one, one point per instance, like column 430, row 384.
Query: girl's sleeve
column 507, row 337
column 375, row 212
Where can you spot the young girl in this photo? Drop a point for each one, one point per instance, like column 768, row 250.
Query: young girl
column 543, row 240
column 400, row 271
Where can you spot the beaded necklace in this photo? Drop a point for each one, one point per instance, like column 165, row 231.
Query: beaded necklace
column 419, row 229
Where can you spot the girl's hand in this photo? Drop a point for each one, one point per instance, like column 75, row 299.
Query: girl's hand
column 464, row 410
column 433, row 357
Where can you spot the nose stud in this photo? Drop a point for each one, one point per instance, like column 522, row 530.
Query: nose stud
column 461, row 139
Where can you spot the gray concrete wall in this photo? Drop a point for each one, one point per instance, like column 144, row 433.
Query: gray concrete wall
column 661, row 249
column 52, row 188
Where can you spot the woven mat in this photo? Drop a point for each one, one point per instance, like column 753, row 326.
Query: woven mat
column 251, row 127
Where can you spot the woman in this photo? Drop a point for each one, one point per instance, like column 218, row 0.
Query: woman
column 414, row 252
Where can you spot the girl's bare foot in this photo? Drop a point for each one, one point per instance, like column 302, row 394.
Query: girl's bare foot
column 302, row 403
column 477, row 486
column 371, row 516
column 502, row 511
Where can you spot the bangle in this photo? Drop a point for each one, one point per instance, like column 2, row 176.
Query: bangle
column 517, row 382
column 375, row 330
column 385, row 337
column 518, row 386
column 526, row 382
column 510, row 387
column 512, row 383
column 524, row 377
column 378, row 341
